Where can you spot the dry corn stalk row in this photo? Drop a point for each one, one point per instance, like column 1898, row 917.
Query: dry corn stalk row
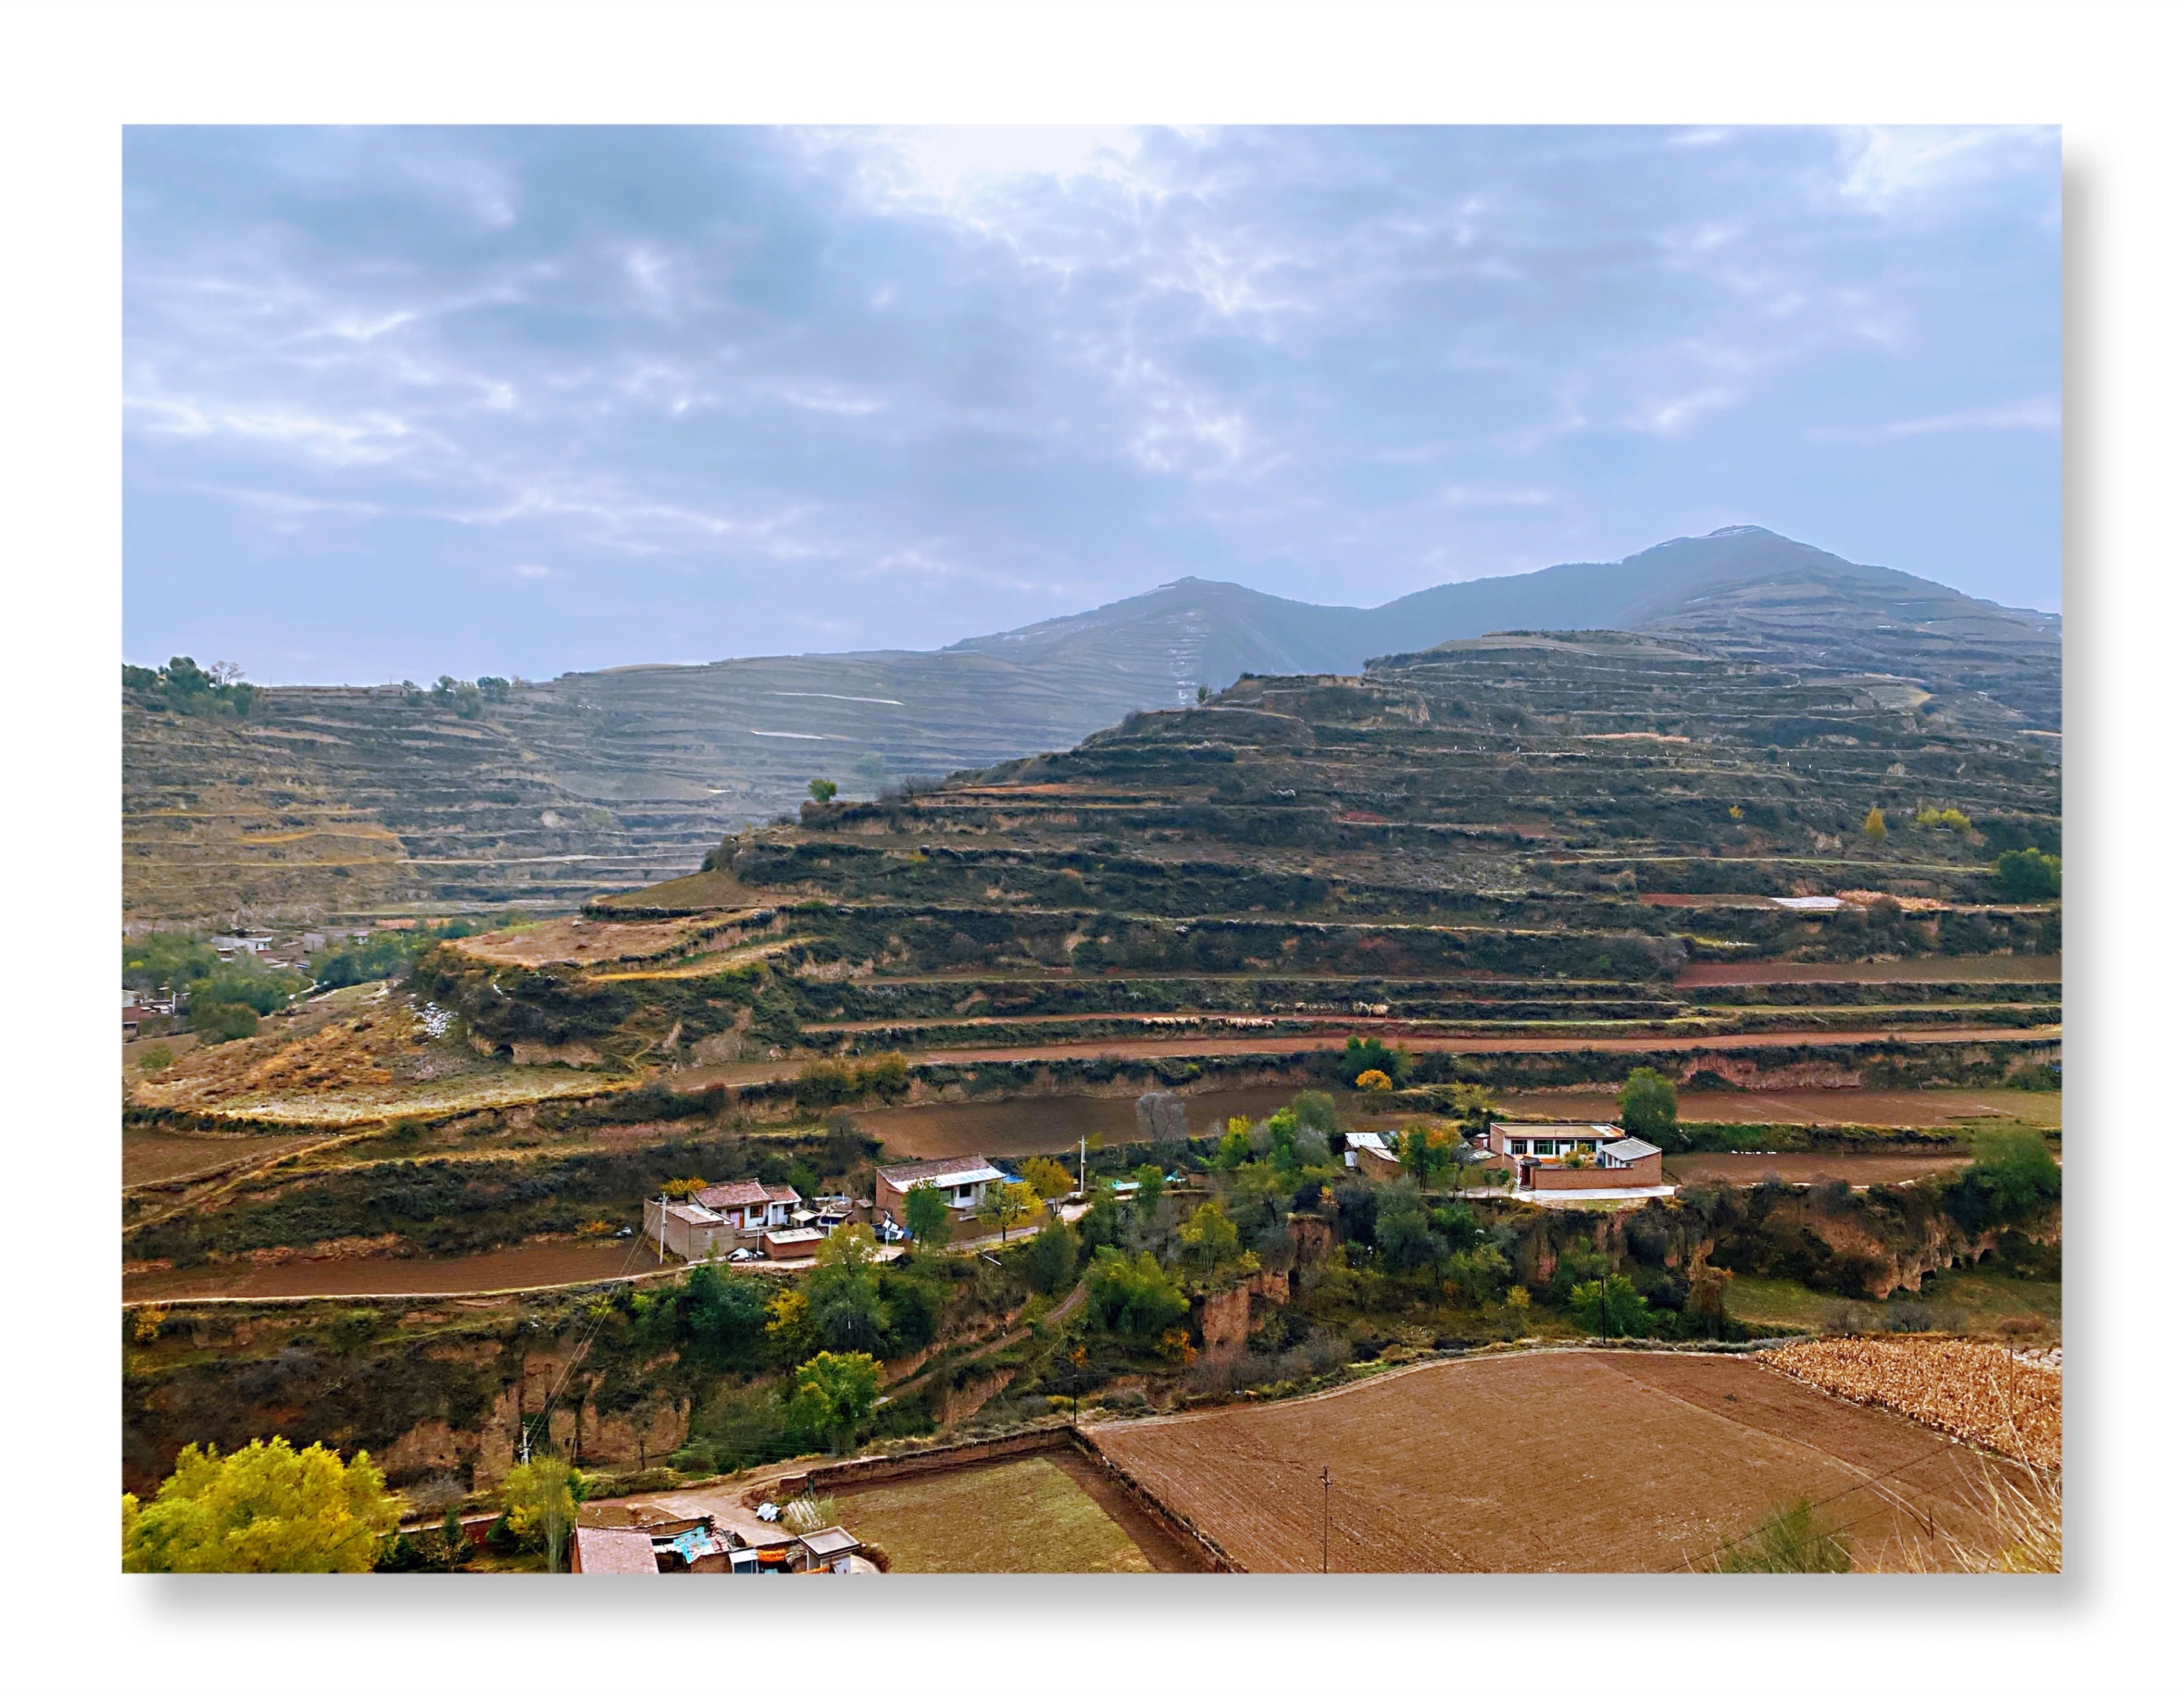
column 1976, row 1391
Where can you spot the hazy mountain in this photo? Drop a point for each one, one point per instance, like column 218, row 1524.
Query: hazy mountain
column 327, row 801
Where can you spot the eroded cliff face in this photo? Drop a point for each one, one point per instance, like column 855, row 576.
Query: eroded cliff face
column 1868, row 1244
column 1224, row 1317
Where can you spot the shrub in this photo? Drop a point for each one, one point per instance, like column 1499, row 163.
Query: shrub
column 1794, row 1538
column 224, row 1023
column 2025, row 874
column 1134, row 1297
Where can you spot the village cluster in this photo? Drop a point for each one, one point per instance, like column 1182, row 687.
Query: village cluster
column 750, row 1222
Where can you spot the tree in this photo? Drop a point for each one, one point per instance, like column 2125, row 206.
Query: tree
column 1610, row 1306
column 1401, row 1232
column 1208, row 1237
column 1374, row 1081
column 925, row 1212
column 2025, row 874
column 1362, row 1054
column 834, row 1395
column 1875, row 826
column 1205, row 694
column 1053, row 1257
column 265, row 1507
column 822, row 791
column 1049, row 1180
column 850, row 1248
column 1234, row 1148
column 454, row 1541
column 1707, row 1302
column 1426, row 1153
column 1794, row 1538
column 790, row 1336
column 539, row 1497
column 1004, row 1204
column 1315, row 1110
column 2013, row 1176
column 1478, row 1273
column 1647, row 1103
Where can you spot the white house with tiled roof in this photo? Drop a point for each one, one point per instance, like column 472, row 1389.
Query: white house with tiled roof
column 1586, row 1160
column 719, row 1218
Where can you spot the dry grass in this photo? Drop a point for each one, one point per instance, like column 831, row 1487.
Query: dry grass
column 2023, row 1531
column 356, row 1057
column 1979, row 1391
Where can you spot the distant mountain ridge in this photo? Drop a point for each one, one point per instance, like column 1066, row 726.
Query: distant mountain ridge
column 332, row 801
column 1225, row 629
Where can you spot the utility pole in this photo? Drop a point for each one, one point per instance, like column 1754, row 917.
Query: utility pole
column 1326, row 1513
column 663, row 1227
column 1080, row 1165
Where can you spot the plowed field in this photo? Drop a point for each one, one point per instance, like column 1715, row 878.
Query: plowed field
column 1550, row 1463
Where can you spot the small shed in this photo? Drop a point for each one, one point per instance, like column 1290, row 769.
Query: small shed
column 830, row 1550
column 792, row 1245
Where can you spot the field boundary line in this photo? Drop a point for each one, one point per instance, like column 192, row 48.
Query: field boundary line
column 404, row 1295
column 1520, row 1352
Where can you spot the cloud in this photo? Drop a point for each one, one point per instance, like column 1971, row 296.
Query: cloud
column 1465, row 496
column 894, row 386
column 2027, row 415
column 2030, row 414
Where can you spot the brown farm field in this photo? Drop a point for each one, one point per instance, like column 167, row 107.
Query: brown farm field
column 1859, row 1171
column 1913, row 1109
column 522, row 1266
column 1974, row 968
column 1565, row 1462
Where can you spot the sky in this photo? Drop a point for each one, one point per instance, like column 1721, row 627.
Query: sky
column 402, row 402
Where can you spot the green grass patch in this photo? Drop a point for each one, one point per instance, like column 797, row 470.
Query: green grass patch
column 1022, row 1516
column 1970, row 1300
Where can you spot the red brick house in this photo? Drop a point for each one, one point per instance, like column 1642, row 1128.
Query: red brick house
column 962, row 1183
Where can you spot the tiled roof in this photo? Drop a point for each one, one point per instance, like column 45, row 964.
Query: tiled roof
column 1630, row 1148
column 601, row 1550
column 965, row 1169
column 748, row 1193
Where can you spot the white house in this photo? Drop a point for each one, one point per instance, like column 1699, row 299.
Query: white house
column 750, row 1205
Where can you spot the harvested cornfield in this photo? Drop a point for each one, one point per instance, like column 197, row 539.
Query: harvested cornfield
column 1977, row 1390
column 1571, row 1461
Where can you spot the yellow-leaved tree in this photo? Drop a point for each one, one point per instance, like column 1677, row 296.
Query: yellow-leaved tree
column 1049, row 1179
column 264, row 1509
column 540, row 1496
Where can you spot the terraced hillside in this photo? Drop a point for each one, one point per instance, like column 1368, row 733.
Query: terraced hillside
column 1530, row 859
column 332, row 802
